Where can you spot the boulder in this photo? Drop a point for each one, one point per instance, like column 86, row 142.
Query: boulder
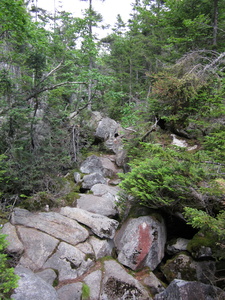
column 86, row 248
column 117, row 284
column 101, row 247
column 69, row 261
column 53, row 224
column 47, row 275
column 38, row 247
column 72, row 291
column 141, row 242
column 177, row 245
column 107, row 128
column 15, row 245
column 102, row 165
column 190, row 290
column 31, row 286
column 154, row 284
column 93, row 280
column 102, row 226
column 104, row 205
column 92, row 179
column 182, row 266
column 104, row 189
column 92, row 164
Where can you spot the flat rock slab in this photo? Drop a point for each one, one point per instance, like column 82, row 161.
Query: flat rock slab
column 53, row 224
column 99, row 205
column 141, row 242
column 69, row 261
column 38, row 247
column 117, row 284
column 31, row 286
column 102, row 226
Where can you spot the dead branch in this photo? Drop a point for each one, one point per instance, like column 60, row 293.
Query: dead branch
column 153, row 128
column 49, row 88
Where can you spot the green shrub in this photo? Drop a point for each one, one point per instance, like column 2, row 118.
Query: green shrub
column 168, row 178
column 8, row 280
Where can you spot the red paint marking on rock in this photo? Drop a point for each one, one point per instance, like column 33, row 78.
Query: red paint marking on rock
column 144, row 244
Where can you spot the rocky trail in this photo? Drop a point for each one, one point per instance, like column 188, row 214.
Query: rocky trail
column 85, row 252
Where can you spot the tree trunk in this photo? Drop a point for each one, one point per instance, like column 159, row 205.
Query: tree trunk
column 215, row 22
column 90, row 58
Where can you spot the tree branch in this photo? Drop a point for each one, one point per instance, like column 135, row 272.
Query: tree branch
column 49, row 88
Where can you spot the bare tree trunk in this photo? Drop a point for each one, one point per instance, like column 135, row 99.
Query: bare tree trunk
column 215, row 22
column 90, row 58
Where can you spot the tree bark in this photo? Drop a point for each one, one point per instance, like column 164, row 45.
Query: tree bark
column 215, row 22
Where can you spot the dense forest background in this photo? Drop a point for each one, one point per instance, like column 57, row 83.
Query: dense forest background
column 165, row 67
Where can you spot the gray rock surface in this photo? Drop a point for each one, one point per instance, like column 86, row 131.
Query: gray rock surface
column 47, row 275
column 92, row 164
column 102, row 189
column 72, row 291
column 15, row 245
column 32, row 287
column 107, row 128
column 102, row 226
column 105, row 205
column 69, row 261
column 101, row 247
column 118, row 284
column 93, row 280
column 190, row 290
column 177, row 245
column 92, row 179
column 53, row 224
column 141, row 242
column 38, row 247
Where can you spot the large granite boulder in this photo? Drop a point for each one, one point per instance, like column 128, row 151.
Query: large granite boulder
column 117, row 284
column 102, row 226
column 141, row 242
column 190, row 290
column 107, row 128
column 102, row 165
column 52, row 223
column 32, row 286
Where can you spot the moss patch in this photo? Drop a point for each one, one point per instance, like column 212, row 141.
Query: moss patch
column 85, row 291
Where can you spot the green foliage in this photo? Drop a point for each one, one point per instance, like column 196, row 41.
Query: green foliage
column 213, row 227
column 167, row 178
column 8, row 280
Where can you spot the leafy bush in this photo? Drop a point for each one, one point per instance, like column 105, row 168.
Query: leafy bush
column 8, row 280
